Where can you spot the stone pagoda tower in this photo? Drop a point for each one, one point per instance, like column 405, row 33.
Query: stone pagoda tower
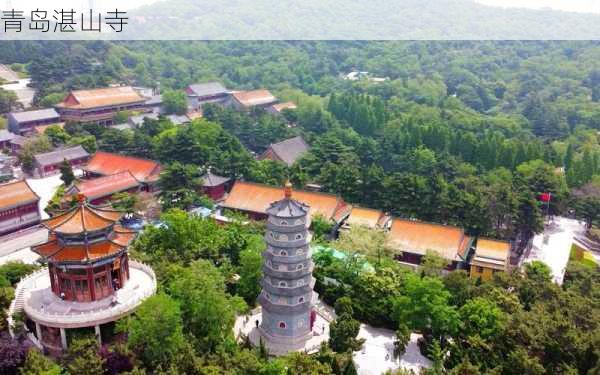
column 287, row 295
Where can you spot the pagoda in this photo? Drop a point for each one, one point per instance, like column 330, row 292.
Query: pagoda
column 287, row 297
column 89, row 281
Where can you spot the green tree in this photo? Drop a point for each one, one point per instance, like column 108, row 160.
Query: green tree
column 433, row 264
column 38, row 364
column 208, row 311
column 366, row 241
column 250, row 271
column 174, row 102
column 57, row 135
column 424, row 305
column 155, row 332
column 343, row 332
column 482, row 317
column 82, row 357
column 66, row 173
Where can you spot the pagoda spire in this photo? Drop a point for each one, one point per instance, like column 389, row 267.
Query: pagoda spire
column 287, row 190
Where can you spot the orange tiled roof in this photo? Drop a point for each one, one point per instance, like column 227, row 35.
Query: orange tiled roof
column 368, row 217
column 491, row 253
column 256, row 198
column 417, row 237
column 106, row 185
column 82, row 218
column 105, row 163
column 57, row 251
column 15, row 194
column 255, row 97
column 103, row 97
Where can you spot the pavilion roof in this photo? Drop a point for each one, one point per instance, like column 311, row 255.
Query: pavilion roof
column 57, row 251
column 82, row 218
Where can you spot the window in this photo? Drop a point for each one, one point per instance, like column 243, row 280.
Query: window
column 282, row 325
column 479, row 269
column 283, row 253
column 301, row 300
column 283, row 222
column 300, row 266
column 282, row 284
column 300, row 252
column 299, row 222
column 298, row 236
column 300, row 282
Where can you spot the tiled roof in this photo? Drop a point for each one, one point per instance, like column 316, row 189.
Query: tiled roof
column 58, row 156
column 211, row 180
column 256, row 198
column 281, row 106
column 289, row 150
column 19, row 140
column 367, row 217
column 106, row 185
column 37, row 115
column 418, row 237
column 255, row 97
column 81, row 219
column 207, row 89
column 57, row 251
column 15, row 194
column 491, row 253
column 5, row 135
column 110, row 96
column 178, row 119
column 105, row 164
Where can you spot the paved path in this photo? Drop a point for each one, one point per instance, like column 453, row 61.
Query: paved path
column 46, row 187
column 553, row 247
column 376, row 356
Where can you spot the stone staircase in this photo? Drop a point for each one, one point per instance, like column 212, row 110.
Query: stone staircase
column 588, row 243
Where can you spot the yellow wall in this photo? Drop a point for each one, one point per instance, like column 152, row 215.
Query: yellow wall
column 485, row 274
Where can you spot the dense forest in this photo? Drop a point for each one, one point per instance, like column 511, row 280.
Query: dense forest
column 465, row 133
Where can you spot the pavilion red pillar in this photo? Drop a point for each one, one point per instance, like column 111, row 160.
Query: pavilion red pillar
column 91, row 286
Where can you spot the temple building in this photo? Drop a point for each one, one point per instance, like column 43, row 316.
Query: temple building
column 90, row 280
column 49, row 163
column 100, row 105
column 202, row 93
column 100, row 190
column 490, row 256
column 287, row 151
column 252, row 199
column 287, row 297
column 214, row 186
column 248, row 100
column 19, row 207
column 412, row 239
column 147, row 172
column 23, row 123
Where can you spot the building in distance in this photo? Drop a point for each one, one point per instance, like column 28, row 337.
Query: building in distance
column 214, row 186
column 248, row 100
column 277, row 109
column 99, row 190
column 287, row 151
column 490, row 256
column 23, row 123
column 99, row 105
column 49, row 163
column 202, row 93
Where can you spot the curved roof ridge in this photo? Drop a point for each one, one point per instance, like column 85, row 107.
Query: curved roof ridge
column 68, row 215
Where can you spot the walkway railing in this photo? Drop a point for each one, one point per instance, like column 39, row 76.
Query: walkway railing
column 83, row 317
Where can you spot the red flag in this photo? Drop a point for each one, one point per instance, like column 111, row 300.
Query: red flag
column 545, row 197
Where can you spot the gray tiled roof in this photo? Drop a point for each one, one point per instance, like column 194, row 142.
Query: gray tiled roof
column 139, row 119
column 290, row 150
column 57, row 156
column 211, row 180
column 208, row 89
column 178, row 119
column 154, row 100
column 37, row 115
